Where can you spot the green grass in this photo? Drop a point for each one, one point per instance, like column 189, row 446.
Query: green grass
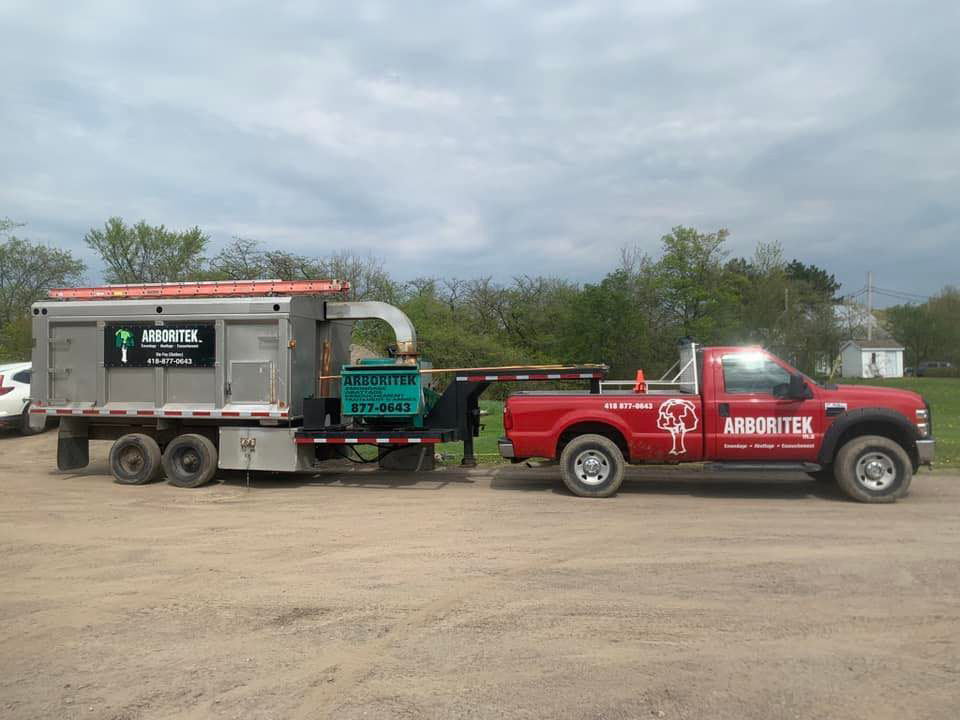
column 485, row 446
column 943, row 394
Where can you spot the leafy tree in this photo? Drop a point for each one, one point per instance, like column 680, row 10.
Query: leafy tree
column 914, row 326
column 240, row 260
column 145, row 253
column 27, row 271
column 928, row 331
column 696, row 292
column 816, row 279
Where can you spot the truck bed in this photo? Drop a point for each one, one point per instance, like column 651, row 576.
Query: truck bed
column 660, row 426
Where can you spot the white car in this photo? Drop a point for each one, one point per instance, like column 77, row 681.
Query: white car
column 15, row 399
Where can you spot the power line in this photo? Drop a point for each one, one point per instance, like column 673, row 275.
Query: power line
column 901, row 292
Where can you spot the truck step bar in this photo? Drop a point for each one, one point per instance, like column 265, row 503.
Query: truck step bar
column 761, row 466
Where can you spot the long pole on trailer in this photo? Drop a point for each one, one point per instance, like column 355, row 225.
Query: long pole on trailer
column 436, row 371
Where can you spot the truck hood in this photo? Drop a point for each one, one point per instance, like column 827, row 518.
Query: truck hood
column 872, row 396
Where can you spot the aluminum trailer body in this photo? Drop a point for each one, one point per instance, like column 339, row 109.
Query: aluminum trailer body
column 165, row 366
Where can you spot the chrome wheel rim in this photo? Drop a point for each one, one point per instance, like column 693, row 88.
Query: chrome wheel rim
column 591, row 467
column 876, row 471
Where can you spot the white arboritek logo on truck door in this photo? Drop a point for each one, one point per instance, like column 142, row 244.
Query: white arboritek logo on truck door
column 798, row 425
column 678, row 417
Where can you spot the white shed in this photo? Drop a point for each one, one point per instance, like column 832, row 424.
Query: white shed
column 871, row 358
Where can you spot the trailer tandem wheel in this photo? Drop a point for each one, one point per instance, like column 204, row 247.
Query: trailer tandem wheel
column 134, row 459
column 190, row 461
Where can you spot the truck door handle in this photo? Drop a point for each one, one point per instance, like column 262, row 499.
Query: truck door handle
column 723, row 409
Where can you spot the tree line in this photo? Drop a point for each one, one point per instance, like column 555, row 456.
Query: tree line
column 630, row 318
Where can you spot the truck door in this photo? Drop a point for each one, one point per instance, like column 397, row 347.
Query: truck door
column 751, row 422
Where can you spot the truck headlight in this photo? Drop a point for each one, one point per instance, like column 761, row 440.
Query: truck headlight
column 923, row 422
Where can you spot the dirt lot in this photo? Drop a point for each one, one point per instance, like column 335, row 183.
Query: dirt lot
column 483, row 594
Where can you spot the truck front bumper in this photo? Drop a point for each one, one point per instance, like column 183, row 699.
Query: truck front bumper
column 925, row 451
column 505, row 447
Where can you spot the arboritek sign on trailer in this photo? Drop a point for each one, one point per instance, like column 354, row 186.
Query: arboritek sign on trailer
column 177, row 344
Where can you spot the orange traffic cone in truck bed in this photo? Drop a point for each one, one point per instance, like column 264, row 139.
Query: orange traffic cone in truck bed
column 641, row 384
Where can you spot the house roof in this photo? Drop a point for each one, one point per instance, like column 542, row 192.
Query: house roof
column 875, row 344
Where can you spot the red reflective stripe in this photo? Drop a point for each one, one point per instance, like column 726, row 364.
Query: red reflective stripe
column 64, row 412
column 304, row 441
column 201, row 413
column 259, row 414
column 38, row 411
column 118, row 412
column 91, row 412
column 145, row 413
column 173, row 413
column 231, row 414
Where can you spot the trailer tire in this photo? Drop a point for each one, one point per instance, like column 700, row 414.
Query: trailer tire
column 873, row 469
column 190, row 461
column 134, row 459
column 592, row 466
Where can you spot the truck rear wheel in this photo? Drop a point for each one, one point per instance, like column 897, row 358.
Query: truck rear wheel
column 190, row 461
column 134, row 459
column 873, row 469
column 592, row 466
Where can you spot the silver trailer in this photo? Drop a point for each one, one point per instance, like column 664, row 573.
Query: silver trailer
column 229, row 374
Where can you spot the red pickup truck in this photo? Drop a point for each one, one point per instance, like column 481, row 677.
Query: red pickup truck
column 735, row 408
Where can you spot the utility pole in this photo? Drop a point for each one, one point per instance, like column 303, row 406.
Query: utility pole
column 869, row 306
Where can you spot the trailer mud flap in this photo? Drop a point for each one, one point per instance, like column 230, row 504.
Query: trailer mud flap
column 73, row 444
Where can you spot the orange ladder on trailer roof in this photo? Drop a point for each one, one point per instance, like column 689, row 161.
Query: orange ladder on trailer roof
column 207, row 288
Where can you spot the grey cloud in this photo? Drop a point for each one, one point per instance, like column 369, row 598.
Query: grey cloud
column 495, row 137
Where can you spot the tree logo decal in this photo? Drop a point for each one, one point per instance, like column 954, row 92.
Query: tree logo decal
column 678, row 417
column 123, row 339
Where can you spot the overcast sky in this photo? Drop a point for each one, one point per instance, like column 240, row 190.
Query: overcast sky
column 469, row 138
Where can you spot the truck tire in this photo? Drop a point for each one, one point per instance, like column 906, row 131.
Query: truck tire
column 190, row 461
column 873, row 469
column 592, row 466
column 134, row 459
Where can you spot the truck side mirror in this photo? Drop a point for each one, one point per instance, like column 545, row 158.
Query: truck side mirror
column 796, row 389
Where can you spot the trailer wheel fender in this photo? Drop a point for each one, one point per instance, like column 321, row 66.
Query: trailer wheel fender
column 868, row 421
column 190, row 460
column 134, row 459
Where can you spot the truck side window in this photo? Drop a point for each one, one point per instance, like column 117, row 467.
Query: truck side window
column 752, row 373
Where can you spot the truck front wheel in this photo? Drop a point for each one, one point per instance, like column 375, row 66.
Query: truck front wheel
column 134, row 459
column 873, row 469
column 190, row 461
column 592, row 466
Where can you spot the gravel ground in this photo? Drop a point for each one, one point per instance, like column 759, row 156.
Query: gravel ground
column 471, row 594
